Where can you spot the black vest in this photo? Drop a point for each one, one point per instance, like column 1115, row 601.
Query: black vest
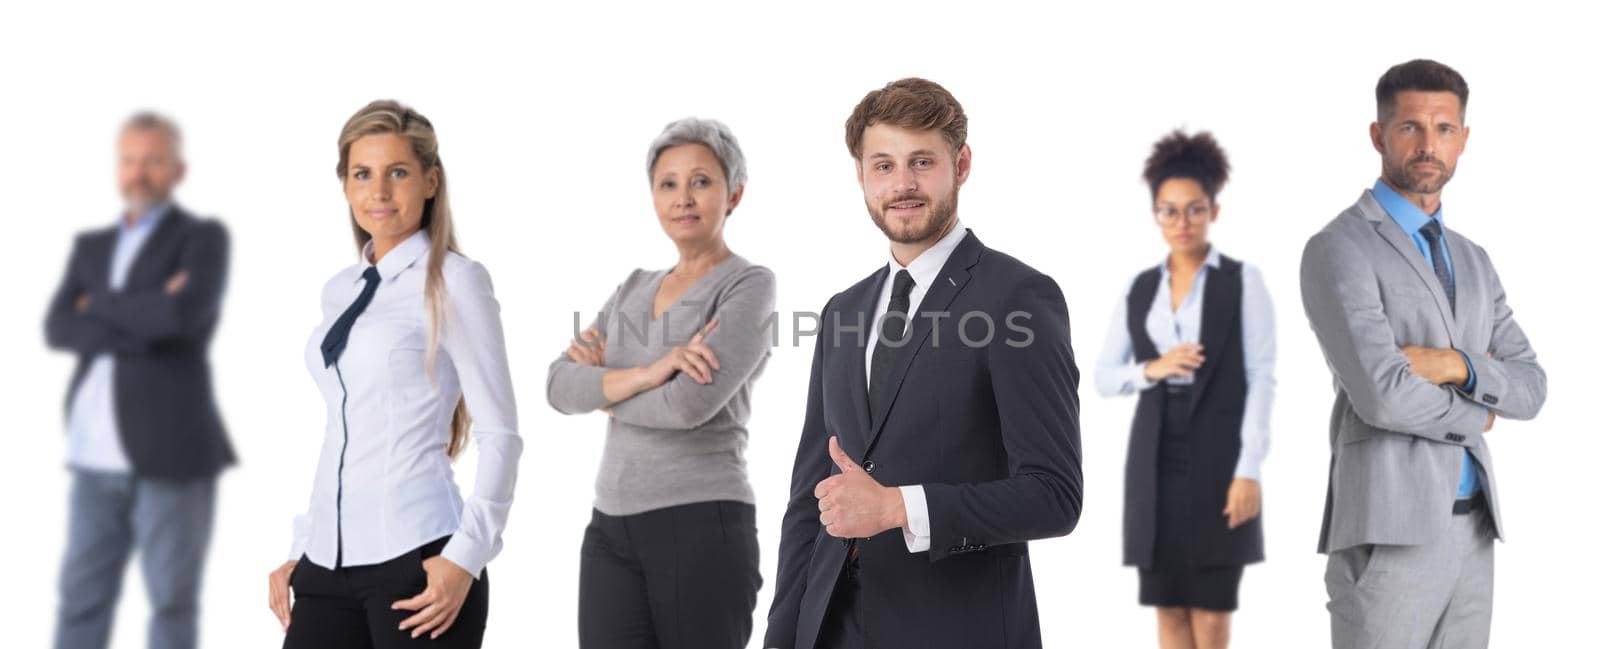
column 1215, row 416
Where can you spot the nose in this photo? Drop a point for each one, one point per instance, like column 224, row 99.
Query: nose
column 383, row 188
column 904, row 180
column 1430, row 141
column 685, row 197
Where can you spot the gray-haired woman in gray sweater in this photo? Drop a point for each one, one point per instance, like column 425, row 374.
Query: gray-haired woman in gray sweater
column 669, row 558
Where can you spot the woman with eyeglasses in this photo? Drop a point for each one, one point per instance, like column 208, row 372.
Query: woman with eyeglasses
column 1193, row 338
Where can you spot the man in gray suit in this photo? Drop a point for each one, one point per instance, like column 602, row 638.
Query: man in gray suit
column 1414, row 324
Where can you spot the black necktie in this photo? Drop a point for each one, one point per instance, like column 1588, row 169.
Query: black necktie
column 892, row 329
column 339, row 333
column 1432, row 232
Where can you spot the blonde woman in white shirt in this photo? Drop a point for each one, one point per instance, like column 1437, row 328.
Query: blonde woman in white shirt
column 389, row 554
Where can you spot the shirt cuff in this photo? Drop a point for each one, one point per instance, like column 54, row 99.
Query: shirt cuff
column 1472, row 375
column 466, row 555
column 918, row 533
column 1248, row 467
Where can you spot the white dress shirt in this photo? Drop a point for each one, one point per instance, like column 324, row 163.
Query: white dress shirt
column 94, row 441
column 1117, row 373
column 384, row 483
column 924, row 270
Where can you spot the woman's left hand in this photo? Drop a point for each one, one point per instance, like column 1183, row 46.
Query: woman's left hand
column 590, row 351
column 1244, row 502
column 439, row 603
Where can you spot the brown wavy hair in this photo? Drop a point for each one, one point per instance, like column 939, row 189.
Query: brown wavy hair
column 910, row 103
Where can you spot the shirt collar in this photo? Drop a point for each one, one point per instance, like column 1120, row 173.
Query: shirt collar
column 147, row 221
column 399, row 259
column 1213, row 260
column 1405, row 213
column 925, row 268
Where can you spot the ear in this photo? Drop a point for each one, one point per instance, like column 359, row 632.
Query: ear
column 433, row 181
column 963, row 164
column 733, row 201
column 861, row 178
column 1216, row 208
column 1375, row 131
column 1466, row 134
column 183, row 169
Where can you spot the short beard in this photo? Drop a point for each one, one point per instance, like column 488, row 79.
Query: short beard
column 941, row 215
column 137, row 205
column 1398, row 175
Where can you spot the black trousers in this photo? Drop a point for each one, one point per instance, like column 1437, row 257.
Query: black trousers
column 681, row 577
column 348, row 608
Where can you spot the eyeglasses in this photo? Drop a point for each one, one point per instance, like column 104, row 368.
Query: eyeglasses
column 1167, row 215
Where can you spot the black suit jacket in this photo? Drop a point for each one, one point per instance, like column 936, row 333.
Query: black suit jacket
column 990, row 431
column 166, row 413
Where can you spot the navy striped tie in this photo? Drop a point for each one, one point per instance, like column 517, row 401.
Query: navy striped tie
column 1441, row 269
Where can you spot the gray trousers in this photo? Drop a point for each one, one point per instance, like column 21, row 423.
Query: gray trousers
column 1435, row 596
column 110, row 515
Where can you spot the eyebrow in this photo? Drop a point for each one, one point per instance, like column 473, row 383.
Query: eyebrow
column 919, row 153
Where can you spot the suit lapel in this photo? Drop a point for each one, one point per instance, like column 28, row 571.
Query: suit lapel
column 1407, row 249
column 97, row 259
column 861, row 307
column 1469, row 300
column 952, row 278
column 153, row 248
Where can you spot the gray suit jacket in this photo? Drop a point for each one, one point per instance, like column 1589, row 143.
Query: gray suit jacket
column 1396, row 438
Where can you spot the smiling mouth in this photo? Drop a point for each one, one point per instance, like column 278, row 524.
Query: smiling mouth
column 381, row 214
column 907, row 205
column 687, row 218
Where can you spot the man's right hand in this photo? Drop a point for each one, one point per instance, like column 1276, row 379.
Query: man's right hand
column 1489, row 424
column 1180, row 361
column 176, row 283
column 278, row 592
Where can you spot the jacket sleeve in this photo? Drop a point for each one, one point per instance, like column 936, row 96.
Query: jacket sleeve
column 1342, row 301
column 1035, row 387
column 800, row 524
column 1509, row 379
column 151, row 316
column 68, row 330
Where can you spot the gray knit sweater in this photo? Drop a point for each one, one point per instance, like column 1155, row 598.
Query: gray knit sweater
column 681, row 442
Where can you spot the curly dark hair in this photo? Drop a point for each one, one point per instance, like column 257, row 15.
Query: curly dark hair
column 1180, row 155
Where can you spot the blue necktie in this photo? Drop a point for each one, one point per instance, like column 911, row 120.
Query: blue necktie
column 1441, row 268
column 333, row 343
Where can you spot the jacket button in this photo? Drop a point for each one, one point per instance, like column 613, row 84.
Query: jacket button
column 868, row 466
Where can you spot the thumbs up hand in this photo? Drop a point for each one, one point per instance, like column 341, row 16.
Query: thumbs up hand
column 852, row 504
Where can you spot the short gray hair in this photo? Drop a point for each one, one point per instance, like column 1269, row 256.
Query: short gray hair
column 713, row 135
column 149, row 120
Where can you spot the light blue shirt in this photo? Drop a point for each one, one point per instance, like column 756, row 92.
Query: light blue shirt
column 93, row 440
column 1410, row 218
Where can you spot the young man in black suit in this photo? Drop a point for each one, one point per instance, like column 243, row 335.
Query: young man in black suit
column 935, row 444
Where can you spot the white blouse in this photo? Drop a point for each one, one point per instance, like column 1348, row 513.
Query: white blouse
column 384, row 484
column 1117, row 373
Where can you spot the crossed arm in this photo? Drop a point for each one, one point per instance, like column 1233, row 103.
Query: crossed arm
column 91, row 320
column 1409, row 389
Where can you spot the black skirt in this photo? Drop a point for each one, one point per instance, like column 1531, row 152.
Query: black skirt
column 1177, row 579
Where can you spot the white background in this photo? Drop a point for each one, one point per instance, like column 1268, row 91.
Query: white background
column 545, row 114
